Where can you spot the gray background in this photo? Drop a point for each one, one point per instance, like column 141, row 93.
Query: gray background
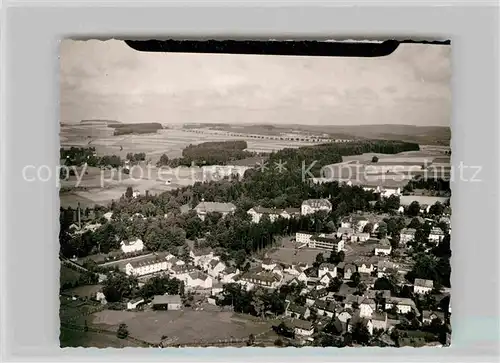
column 30, row 126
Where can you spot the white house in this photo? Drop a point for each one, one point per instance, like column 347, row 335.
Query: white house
column 134, row 303
column 347, row 232
column 358, row 319
column 403, row 305
column 303, row 237
column 345, row 222
column 303, row 327
column 384, row 267
column 263, row 278
column 360, row 237
column 100, row 297
column 421, row 286
column 311, row 206
column 326, row 242
column 295, row 311
column 347, row 268
column 326, row 279
column 325, row 308
column 273, row 213
column 258, row 212
column 181, row 272
column 293, row 270
column 367, row 308
column 146, row 266
column 199, row 254
column 326, row 268
column 167, row 302
column 383, row 248
column 229, row 275
column 365, row 267
column 345, row 315
column 129, row 246
column 215, row 267
column 217, row 289
column 268, row 264
column 436, row 235
column 203, row 208
column 198, row 279
column 379, row 321
column 406, row 235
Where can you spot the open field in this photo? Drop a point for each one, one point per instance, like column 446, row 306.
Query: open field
column 391, row 170
column 421, row 134
column 182, row 327
column 73, row 338
column 289, row 253
column 166, row 141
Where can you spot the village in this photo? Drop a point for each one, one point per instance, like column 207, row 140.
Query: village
column 356, row 284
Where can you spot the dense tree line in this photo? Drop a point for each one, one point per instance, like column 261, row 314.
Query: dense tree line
column 134, row 158
column 257, row 302
column 142, row 128
column 434, row 184
column 75, row 156
column 119, row 286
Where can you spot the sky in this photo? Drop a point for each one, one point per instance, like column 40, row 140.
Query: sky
column 109, row 80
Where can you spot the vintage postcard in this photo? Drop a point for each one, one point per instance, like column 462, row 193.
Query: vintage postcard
column 230, row 200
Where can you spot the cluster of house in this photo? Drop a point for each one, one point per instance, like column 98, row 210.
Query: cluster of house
column 385, row 188
column 309, row 206
column 205, row 270
column 374, row 309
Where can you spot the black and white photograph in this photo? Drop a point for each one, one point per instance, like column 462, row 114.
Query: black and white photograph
column 244, row 200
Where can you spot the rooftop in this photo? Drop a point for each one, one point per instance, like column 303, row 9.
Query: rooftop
column 215, row 207
column 166, row 299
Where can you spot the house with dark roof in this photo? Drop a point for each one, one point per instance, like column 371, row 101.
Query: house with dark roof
column 403, row 305
column 383, row 248
column 428, row 316
column 326, row 308
column 302, row 327
column 146, row 266
column 422, row 286
column 379, row 320
column 199, row 280
column 296, row 311
column 167, row 302
column 262, row 278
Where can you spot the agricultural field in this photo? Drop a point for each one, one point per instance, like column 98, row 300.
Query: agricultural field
column 93, row 186
column 391, row 170
column 166, row 141
column 182, row 326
